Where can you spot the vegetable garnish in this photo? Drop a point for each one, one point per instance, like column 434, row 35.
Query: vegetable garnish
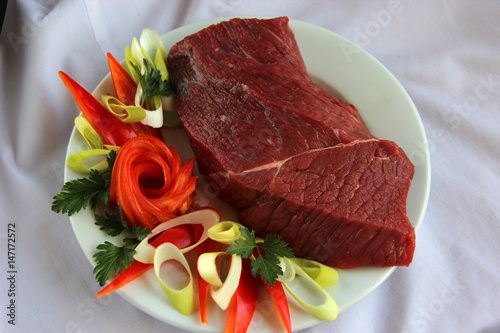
column 313, row 298
column 244, row 301
column 79, row 193
column 181, row 236
column 182, row 297
column 111, row 259
column 203, row 218
column 126, row 113
column 221, row 292
column 92, row 138
column 146, row 61
column 152, row 82
column 207, row 246
column 125, row 90
column 267, row 262
column 150, row 183
column 111, row 129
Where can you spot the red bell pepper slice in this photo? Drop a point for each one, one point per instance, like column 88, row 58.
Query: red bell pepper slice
column 181, row 236
column 244, row 301
column 111, row 129
column 125, row 89
column 279, row 297
column 208, row 245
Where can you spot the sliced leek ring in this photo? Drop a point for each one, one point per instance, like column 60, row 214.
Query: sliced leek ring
column 225, row 232
column 288, row 270
column 126, row 113
column 76, row 161
column 90, row 135
column 144, row 252
column 221, row 292
column 321, row 274
column 303, row 287
column 182, row 298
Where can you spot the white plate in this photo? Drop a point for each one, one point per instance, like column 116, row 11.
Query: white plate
column 343, row 69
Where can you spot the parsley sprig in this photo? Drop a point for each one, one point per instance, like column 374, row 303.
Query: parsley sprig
column 93, row 192
column 267, row 262
column 111, row 259
column 79, row 193
column 152, row 82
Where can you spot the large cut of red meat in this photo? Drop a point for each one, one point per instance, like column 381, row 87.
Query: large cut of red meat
column 290, row 158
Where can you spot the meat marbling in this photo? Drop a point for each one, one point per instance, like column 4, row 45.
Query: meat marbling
column 290, row 158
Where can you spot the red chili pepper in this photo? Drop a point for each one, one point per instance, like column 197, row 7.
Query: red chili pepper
column 125, row 89
column 244, row 301
column 111, row 129
column 279, row 297
column 208, row 245
column 181, row 236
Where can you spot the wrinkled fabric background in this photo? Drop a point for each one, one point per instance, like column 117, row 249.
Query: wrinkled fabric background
column 446, row 55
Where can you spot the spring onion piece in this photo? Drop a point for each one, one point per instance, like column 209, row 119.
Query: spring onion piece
column 182, row 298
column 288, row 270
column 207, row 268
column 90, row 135
column 207, row 218
column 321, row 274
column 311, row 296
column 225, row 232
column 131, row 63
column 77, row 161
column 146, row 60
column 154, row 113
column 126, row 113
column 151, row 41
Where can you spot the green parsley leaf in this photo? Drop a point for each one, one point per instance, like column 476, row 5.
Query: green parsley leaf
column 267, row 262
column 111, row 224
column 139, row 232
column 79, row 193
column 110, row 260
column 152, row 83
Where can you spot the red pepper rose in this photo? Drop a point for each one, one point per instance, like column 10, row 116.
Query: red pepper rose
column 150, row 183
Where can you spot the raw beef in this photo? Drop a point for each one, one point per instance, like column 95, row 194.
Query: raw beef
column 292, row 159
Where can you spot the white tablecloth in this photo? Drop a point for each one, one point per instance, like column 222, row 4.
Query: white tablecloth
column 446, row 55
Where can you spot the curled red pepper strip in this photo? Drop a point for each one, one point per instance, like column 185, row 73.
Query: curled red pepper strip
column 181, row 236
column 150, row 183
column 111, row 129
column 244, row 301
column 208, row 245
column 125, row 89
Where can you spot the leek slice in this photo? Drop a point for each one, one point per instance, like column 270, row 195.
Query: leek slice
column 311, row 296
column 151, row 41
column 182, row 298
column 130, row 60
column 90, row 135
column 126, row 113
column 321, row 274
column 144, row 252
column 225, row 232
column 288, row 270
column 154, row 117
column 221, row 292
column 76, row 161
